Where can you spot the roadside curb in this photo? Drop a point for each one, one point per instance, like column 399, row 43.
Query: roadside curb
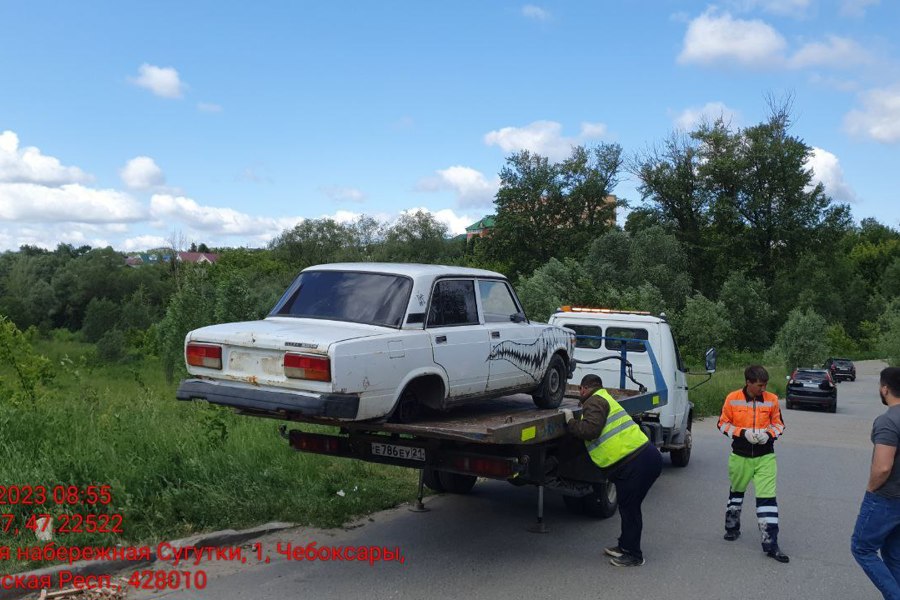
column 225, row 537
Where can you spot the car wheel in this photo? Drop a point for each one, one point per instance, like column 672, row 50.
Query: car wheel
column 408, row 408
column 602, row 502
column 832, row 408
column 789, row 404
column 456, row 483
column 553, row 387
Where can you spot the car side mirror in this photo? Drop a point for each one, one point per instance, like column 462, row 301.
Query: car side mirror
column 711, row 360
column 517, row 317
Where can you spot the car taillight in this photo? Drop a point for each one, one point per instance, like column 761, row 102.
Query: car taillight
column 208, row 356
column 302, row 366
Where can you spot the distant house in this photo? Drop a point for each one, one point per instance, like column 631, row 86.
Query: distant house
column 480, row 228
column 141, row 259
column 197, row 257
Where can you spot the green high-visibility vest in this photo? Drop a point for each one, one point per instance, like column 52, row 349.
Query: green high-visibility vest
column 620, row 436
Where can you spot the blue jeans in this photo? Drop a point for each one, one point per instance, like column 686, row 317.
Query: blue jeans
column 878, row 528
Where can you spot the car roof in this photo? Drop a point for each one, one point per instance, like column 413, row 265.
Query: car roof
column 413, row 270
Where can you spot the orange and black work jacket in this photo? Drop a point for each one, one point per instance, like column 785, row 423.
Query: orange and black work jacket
column 741, row 412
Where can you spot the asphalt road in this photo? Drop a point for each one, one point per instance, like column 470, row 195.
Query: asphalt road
column 477, row 546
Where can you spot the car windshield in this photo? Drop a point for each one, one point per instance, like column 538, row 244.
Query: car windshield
column 811, row 375
column 371, row 298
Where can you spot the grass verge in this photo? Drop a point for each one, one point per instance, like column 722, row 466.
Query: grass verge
column 174, row 468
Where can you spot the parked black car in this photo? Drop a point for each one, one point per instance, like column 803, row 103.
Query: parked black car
column 841, row 369
column 811, row 387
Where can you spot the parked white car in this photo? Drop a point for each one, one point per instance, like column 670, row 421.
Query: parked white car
column 358, row 341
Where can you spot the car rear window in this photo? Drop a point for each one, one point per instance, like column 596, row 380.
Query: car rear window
column 371, row 298
column 628, row 334
column 843, row 363
column 811, row 375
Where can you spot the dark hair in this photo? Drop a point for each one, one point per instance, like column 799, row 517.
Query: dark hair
column 756, row 373
column 591, row 381
column 891, row 378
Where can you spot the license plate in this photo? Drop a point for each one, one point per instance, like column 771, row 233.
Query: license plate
column 395, row 451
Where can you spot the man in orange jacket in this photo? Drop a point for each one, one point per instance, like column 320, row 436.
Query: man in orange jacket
column 752, row 419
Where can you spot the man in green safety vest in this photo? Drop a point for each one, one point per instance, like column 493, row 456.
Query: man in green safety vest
column 616, row 444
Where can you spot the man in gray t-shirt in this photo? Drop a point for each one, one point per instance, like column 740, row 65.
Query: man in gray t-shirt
column 886, row 432
column 878, row 524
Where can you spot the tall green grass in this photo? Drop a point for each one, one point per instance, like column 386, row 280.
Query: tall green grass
column 175, row 468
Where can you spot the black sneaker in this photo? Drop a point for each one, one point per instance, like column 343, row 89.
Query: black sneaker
column 732, row 535
column 626, row 560
column 614, row 551
column 778, row 555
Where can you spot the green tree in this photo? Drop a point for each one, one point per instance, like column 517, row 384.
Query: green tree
column 748, row 311
column 553, row 210
column 889, row 338
column 802, row 340
column 28, row 367
column 100, row 316
column 555, row 284
column 414, row 237
column 700, row 324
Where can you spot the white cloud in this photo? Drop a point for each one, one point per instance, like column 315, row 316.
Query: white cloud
column 142, row 173
column 28, row 165
column 456, row 224
column 143, row 242
column 543, row 137
column 215, row 220
column 835, row 52
column 209, row 107
column 162, row 81
column 841, row 85
column 856, row 8
column 714, row 39
column 879, row 119
column 72, row 202
column 344, row 194
column 827, row 171
column 472, row 188
column 535, row 12
column 690, row 117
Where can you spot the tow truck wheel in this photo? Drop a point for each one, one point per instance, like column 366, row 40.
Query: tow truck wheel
column 431, row 480
column 456, row 483
column 682, row 456
column 602, row 502
column 553, row 387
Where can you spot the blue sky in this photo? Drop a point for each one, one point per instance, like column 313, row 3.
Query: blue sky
column 136, row 124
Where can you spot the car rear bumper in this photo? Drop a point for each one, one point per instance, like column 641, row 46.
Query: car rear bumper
column 811, row 399
column 276, row 403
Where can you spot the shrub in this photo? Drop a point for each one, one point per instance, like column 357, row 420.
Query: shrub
column 701, row 324
column 802, row 341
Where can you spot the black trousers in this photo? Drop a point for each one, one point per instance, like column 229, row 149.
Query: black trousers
column 633, row 480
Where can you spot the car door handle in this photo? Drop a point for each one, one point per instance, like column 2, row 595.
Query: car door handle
column 441, row 339
column 495, row 334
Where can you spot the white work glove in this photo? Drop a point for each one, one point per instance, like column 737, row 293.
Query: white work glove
column 762, row 437
column 567, row 413
column 750, row 436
